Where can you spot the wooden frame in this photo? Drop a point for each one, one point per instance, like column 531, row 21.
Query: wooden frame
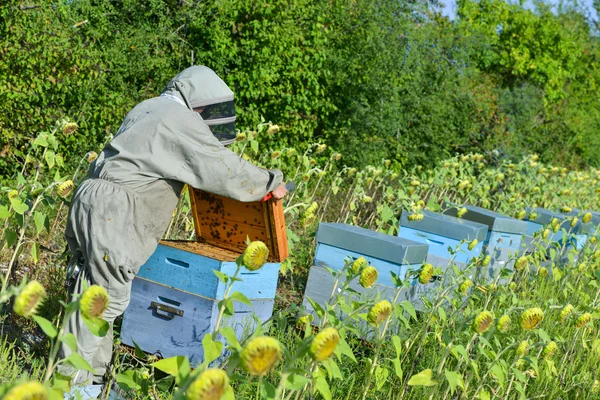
column 226, row 223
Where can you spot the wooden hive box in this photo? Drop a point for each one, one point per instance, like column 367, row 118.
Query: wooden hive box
column 175, row 293
column 504, row 236
column 338, row 242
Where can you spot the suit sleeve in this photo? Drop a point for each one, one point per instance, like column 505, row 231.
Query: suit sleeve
column 212, row 167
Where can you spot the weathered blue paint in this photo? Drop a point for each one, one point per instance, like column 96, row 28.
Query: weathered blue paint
column 438, row 245
column 170, row 334
column 334, row 258
column 194, row 273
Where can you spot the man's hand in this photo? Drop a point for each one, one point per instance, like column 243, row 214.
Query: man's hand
column 280, row 192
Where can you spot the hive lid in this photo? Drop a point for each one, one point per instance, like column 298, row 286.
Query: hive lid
column 446, row 225
column 495, row 221
column 588, row 228
column 225, row 223
column 370, row 243
column 543, row 216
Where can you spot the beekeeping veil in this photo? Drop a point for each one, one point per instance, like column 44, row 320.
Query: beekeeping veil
column 201, row 90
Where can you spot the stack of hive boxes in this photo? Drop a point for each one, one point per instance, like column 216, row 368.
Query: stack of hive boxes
column 174, row 299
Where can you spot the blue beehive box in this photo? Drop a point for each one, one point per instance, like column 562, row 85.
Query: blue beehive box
column 442, row 233
column 175, row 295
column 503, row 239
column 585, row 231
column 337, row 243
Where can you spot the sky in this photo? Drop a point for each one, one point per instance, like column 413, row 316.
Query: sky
column 450, row 8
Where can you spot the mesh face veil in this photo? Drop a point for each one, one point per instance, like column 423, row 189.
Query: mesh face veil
column 220, row 118
column 201, row 90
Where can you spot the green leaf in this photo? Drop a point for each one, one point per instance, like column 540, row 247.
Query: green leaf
column 323, row 387
column 61, row 382
column 97, row 326
column 50, row 158
column 47, row 326
column 4, row 212
column 254, row 145
column 56, row 394
column 20, row 207
column 139, row 353
column 41, row 140
column 398, row 368
column 484, row 395
column 381, row 375
column 454, row 379
column 70, row 340
column 397, row 344
column 79, row 362
column 296, row 381
column 40, row 221
column 268, row 391
column 229, row 334
column 423, row 378
column 35, row 252
column 222, row 277
column 241, row 298
column 345, row 349
column 177, row 366
column 212, row 349
column 408, row 307
column 127, row 380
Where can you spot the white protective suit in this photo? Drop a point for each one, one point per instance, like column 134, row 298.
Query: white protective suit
column 120, row 213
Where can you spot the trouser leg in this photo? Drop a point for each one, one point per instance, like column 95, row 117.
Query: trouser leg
column 97, row 351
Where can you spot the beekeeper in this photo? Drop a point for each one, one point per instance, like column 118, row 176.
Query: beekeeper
column 120, row 213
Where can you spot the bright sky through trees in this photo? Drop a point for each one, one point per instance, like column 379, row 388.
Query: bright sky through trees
column 450, row 7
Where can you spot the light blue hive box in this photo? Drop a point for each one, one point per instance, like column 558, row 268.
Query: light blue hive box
column 443, row 234
column 175, row 295
column 339, row 242
column 503, row 241
column 585, row 231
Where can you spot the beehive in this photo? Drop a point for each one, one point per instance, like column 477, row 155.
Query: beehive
column 503, row 239
column 175, row 294
column 444, row 235
column 337, row 243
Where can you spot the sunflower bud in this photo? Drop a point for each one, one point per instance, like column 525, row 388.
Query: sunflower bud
column 521, row 214
column 503, row 323
column 464, row 287
column 426, row 274
column 415, row 183
column 546, row 233
column 531, row 318
column 379, row 313
column 583, row 320
column 463, row 184
column 69, row 128
column 483, row 322
column 260, row 355
column 566, row 312
column 30, row 298
column 273, row 129
column 472, row 244
column 91, row 156
column 522, row 348
column 65, row 188
column 359, row 264
column 211, row 384
column 521, row 263
column 587, row 217
column 321, row 148
column 324, row 344
column 275, row 155
column 27, row 391
column 351, row 171
column 549, row 350
column 303, row 320
column 486, row 260
column 94, row 302
column 255, row 256
column 368, row 277
column 460, row 213
column 336, row 156
column 574, row 222
column 566, row 210
column 416, row 217
column 543, row 272
column 512, row 286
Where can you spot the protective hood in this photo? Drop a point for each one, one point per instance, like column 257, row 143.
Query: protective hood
column 200, row 87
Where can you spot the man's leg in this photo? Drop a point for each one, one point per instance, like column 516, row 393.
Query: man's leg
column 97, row 351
